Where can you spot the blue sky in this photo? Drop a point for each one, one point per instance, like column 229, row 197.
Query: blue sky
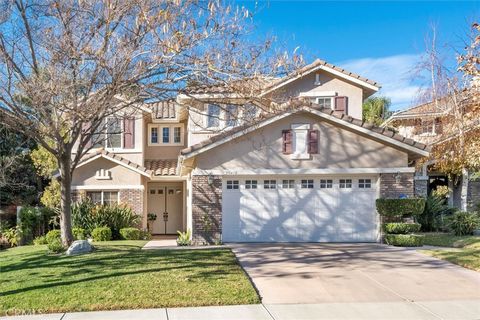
column 381, row 40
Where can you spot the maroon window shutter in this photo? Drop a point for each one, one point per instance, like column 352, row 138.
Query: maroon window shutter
column 341, row 104
column 287, row 141
column 312, row 141
column 129, row 133
column 438, row 126
column 85, row 129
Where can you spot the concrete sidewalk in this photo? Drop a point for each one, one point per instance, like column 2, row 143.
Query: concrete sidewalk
column 460, row 309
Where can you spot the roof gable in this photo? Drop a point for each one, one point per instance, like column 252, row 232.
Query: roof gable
column 117, row 159
column 341, row 119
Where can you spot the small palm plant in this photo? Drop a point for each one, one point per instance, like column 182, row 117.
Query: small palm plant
column 184, row 238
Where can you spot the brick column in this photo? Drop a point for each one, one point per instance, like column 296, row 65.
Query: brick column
column 390, row 188
column 421, row 186
column 206, row 209
column 133, row 198
column 473, row 196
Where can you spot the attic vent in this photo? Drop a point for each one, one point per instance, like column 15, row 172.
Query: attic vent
column 317, row 79
column 103, row 174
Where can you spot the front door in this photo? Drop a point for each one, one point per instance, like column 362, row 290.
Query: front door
column 166, row 202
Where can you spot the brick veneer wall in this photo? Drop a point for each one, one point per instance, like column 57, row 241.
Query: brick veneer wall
column 131, row 197
column 421, row 186
column 389, row 188
column 206, row 209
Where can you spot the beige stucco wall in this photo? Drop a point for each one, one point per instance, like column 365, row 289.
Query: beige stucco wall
column 85, row 175
column 338, row 148
column 163, row 152
column 329, row 83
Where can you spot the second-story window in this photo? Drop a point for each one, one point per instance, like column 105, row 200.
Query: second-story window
column 231, row 114
column 154, row 135
column 428, row 127
column 325, row 102
column 177, row 135
column 114, row 133
column 249, row 112
column 166, row 135
column 213, row 116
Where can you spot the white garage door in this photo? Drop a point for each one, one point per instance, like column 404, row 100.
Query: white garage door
column 299, row 209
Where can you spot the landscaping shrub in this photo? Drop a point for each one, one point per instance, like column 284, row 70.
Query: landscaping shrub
column 53, row 235
column 40, row 240
column 404, row 240
column 463, row 223
column 13, row 236
column 55, row 246
column 102, row 234
column 433, row 217
column 88, row 216
column 184, row 238
column 400, row 207
column 401, row 228
column 79, row 233
column 145, row 235
column 131, row 233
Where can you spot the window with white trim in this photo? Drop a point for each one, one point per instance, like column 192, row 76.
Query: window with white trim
column 108, row 134
column 250, row 112
column 232, row 184
column 325, row 102
column 345, row 183
column 231, row 115
column 307, row 184
column 170, row 134
column 364, row 183
column 288, row 184
column 213, row 116
column 428, row 126
column 103, row 197
column 269, row 184
column 251, row 184
column 326, row 183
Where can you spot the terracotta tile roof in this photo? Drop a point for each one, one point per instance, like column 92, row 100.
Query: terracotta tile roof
column 162, row 167
column 299, row 105
column 425, row 109
column 166, row 109
column 255, row 84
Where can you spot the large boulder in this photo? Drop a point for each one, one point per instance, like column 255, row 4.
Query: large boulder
column 79, row 247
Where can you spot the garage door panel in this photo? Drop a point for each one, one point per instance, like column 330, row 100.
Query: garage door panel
column 300, row 215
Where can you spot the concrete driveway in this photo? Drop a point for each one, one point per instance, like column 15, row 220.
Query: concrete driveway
column 326, row 273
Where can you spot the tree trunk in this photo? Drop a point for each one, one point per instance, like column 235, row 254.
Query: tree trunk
column 66, row 201
column 464, row 190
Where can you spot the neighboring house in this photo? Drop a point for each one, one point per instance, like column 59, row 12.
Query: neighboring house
column 303, row 168
column 427, row 123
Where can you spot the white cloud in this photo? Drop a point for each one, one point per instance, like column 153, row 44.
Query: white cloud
column 393, row 73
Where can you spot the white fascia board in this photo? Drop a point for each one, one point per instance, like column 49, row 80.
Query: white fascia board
column 167, row 178
column 116, row 161
column 108, row 187
column 326, row 171
column 318, row 94
column 205, row 96
column 371, row 133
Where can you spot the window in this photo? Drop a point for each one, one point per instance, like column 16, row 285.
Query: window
column 428, row 126
column 114, row 133
column 307, row 184
column 170, row 134
column 326, row 183
column 364, row 183
column 213, row 116
column 345, row 183
column 325, row 102
column 231, row 115
column 288, row 184
column 269, row 184
column 232, row 184
column 251, row 184
column 166, row 135
column 154, row 135
column 177, row 135
column 103, row 197
column 249, row 112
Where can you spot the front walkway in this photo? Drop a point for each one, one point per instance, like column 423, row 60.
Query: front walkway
column 464, row 309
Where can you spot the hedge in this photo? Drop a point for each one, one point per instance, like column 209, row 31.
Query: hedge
column 400, row 207
column 131, row 233
column 401, row 228
column 102, row 234
column 404, row 240
column 79, row 234
column 53, row 235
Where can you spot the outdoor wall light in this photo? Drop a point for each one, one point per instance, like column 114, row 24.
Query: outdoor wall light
column 210, row 180
column 397, row 177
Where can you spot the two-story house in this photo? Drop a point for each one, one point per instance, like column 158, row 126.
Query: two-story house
column 302, row 167
column 428, row 123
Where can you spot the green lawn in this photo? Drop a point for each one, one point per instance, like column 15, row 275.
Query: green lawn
column 465, row 249
column 118, row 275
